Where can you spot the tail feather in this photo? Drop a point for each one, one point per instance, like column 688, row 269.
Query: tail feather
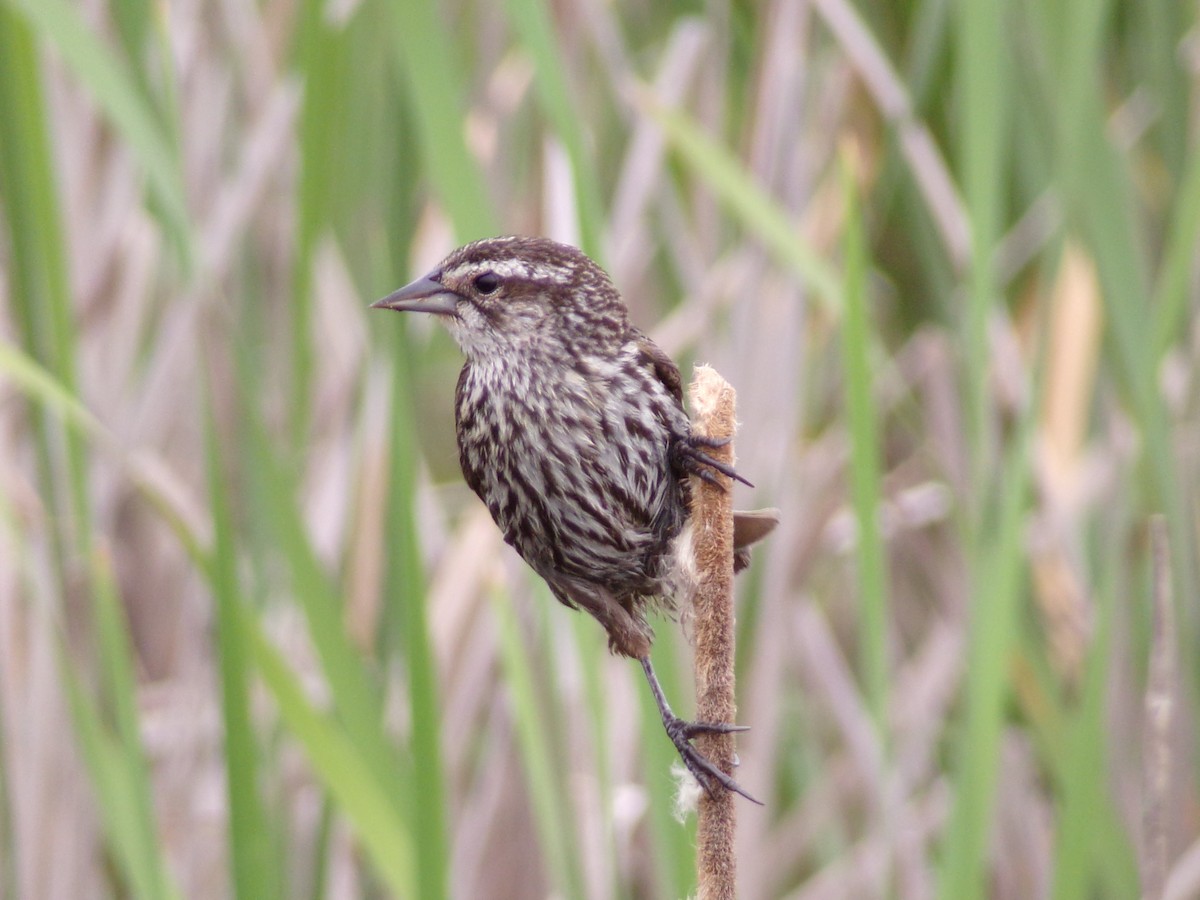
column 750, row 527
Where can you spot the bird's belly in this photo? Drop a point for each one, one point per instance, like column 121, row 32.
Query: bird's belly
column 572, row 492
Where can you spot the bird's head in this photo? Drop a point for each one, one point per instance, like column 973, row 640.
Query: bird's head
column 508, row 294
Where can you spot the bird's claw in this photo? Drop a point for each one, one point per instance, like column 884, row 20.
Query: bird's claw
column 693, row 460
column 681, row 733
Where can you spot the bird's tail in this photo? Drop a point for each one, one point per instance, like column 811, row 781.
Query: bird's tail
column 750, row 527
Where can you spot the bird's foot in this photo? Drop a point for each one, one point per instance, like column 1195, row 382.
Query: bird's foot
column 691, row 457
column 681, row 733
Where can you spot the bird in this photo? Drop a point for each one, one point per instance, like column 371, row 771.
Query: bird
column 572, row 431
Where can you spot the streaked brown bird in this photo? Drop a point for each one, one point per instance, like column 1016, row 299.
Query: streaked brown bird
column 572, row 431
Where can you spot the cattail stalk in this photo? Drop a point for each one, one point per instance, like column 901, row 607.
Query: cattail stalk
column 713, row 406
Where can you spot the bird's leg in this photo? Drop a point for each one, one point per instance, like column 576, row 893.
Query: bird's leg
column 689, row 456
column 681, row 733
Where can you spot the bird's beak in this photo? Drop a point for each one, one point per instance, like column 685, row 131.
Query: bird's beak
column 423, row 295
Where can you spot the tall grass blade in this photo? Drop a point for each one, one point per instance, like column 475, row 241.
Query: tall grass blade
column 357, row 697
column 343, row 768
column 551, row 804
column 117, row 94
column 1091, row 843
column 254, row 871
column 865, row 462
column 995, row 601
column 427, row 61
column 748, row 203
column 113, row 753
column 531, row 20
column 406, row 590
column 984, row 138
column 38, row 277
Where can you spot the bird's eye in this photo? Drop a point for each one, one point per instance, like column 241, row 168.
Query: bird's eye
column 487, row 283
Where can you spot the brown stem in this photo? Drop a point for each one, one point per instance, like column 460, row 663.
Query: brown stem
column 713, row 403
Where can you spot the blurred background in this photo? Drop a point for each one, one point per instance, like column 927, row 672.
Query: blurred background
column 257, row 639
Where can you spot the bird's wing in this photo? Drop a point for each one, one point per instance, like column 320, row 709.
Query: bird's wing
column 664, row 367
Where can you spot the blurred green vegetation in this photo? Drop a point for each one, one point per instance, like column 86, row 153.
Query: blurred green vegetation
column 944, row 250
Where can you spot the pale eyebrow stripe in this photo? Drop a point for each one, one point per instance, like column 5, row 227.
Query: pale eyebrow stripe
column 513, row 268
